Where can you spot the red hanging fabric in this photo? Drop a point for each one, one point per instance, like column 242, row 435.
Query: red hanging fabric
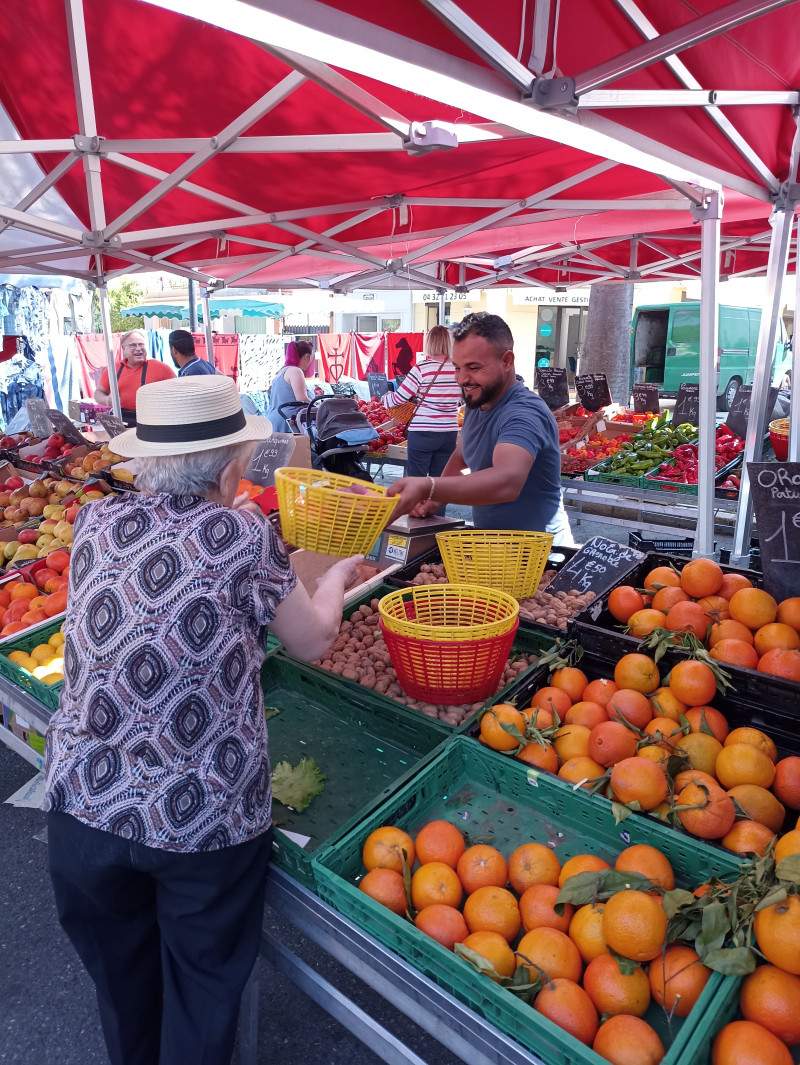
column 335, row 350
column 369, row 354
column 92, row 359
column 225, row 354
column 403, row 349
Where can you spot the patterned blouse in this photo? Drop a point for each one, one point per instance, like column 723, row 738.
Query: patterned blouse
column 160, row 735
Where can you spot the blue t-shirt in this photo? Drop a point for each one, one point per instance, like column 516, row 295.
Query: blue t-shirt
column 521, row 418
column 197, row 367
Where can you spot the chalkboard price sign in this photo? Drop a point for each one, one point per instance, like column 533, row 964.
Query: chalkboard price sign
column 63, row 425
column 597, row 567
column 112, row 425
column 551, row 384
column 378, row 384
column 39, row 417
column 739, row 412
column 775, row 487
column 268, row 457
column 592, row 389
column 645, row 399
column 687, row 405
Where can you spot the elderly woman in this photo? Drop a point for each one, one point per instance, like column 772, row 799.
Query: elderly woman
column 157, row 771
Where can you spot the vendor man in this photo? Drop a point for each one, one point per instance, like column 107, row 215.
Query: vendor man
column 134, row 371
column 181, row 348
column 509, row 443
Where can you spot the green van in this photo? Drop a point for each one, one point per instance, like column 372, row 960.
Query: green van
column 665, row 348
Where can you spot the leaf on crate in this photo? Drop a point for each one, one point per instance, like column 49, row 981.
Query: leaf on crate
column 789, row 869
column 296, row 786
column 731, row 961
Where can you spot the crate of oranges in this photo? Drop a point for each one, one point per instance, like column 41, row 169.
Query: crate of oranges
column 35, row 662
column 30, row 598
column 493, row 864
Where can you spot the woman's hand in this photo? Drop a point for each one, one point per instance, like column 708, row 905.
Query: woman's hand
column 346, row 570
column 244, row 502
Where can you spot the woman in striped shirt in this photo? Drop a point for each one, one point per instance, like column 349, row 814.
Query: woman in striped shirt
column 433, row 432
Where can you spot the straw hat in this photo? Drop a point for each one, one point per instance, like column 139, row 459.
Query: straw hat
column 189, row 414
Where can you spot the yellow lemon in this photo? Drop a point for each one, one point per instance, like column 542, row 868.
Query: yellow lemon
column 56, row 641
column 19, row 658
column 43, row 654
column 53, row 678
column 30, row 664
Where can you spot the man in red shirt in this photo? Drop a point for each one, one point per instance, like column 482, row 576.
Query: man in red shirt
column 134, row 371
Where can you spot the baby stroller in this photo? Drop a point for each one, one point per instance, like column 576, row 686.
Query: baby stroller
column 339, row 433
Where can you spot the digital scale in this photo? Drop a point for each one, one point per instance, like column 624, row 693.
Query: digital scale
column 405, row 539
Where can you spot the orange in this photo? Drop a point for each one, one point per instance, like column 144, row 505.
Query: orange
column 775, row 635
column 571, row 741
column 581, row 863
column 771, row 997
column 781, row 663
column 482, row 866
column 58, row 560
column 655, row 753
column 644, row 621
column 677, row 979
column 755, row 737
column 33, row 617
column 693, row 682
column 731, row 583
column 716, row 607
column 789, row 612
column 650, row 862
column 581, row 770
column 759, row 805
column 623, row 603
column 566, row 1004
column 630, row 704
column 55, row 604
column 729, row 630
column 24, row 591
column 571, row 680
column 639, row 780
column 546, row 950
column 746, row 1043
column 540, row 717
column 12, row 627
column 435, row 882
column 748, row 837
column 493, row 909
column 610, row 742
column 16, row 609
column 634, row 924
column 689, row 617
column 600, row 691
column 665, row 704
column 530, row 864
column 710, row 812
column 742, row 763
column 443, row 923
column 387, row 887
column 707, row 719
column 663, row 730
column 735, row 653
column 786, row 784
column 536, row 908
column 666, row 598
column 586, row 931
column 586, row 713
column 540, row 756
column 383, row 849
column 662, row 576
column 701, row 750
column 613, row 992
column 493, row 732
column 495, row 950
column 777, row 931
column 625, row 1040
column 553, row 699
column 637, row 671
column 788, row 844
column 37, row 603
column 753, row 607
column 439, row 841
column 5, row 593
column 700, row 577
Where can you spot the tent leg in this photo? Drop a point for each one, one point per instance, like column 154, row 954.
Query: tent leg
column 709, row 324
column 762, row 378
column 207, row 326
column 794, row 406
column 105, row 317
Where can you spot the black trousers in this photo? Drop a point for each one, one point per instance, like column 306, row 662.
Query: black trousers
column 168, row 939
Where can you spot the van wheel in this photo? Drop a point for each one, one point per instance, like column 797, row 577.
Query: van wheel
column 729, row 395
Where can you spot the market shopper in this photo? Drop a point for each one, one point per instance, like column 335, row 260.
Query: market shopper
column 157, row 770
column 134, row 370
column 289, row 385
column 189, row 363
column 509, row 443
column 431, row 384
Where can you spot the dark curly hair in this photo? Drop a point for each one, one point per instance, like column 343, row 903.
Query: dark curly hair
column 489, row 326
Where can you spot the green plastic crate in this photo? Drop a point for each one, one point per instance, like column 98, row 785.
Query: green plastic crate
column 362, row 750
column 47, row 694
column 486, row 795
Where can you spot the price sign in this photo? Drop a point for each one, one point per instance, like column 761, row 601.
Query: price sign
column 551, row 384
column 378, row 384
column 597, row 567
column 112, row 425
column 645, row 398
column 592, row 389
column 775, row 487
column 63, row 425
column 268, row 457
column 687, row 405
column 39, row 417
column 739, row 413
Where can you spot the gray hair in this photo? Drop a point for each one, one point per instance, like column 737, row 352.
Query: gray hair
column 129, row 334
column 195, row 474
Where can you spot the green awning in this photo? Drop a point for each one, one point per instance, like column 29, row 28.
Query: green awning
column 248, row 306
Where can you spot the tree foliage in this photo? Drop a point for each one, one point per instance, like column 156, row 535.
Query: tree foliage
column 124, row 293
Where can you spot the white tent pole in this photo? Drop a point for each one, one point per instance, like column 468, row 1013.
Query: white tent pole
column 207, row 325
column 105, row 318
column 709, row 323
column 794, row 405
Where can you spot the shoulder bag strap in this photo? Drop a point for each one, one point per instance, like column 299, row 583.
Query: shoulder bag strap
column 424, row 393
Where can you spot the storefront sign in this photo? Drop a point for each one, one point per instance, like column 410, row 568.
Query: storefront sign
column 775, row 487
column 536, row 297
column 597, row 567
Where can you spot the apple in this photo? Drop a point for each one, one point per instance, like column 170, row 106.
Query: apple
column 56, row 440
column 28, row 536
column 71, row 513
column 51, row 453
column 14, row 482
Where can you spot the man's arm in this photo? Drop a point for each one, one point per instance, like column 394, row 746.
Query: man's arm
column 101, row 397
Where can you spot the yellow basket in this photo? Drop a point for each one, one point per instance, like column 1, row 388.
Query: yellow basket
column 448, row 613
column 780, row 426
column 512, row 561
column 316, row 516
